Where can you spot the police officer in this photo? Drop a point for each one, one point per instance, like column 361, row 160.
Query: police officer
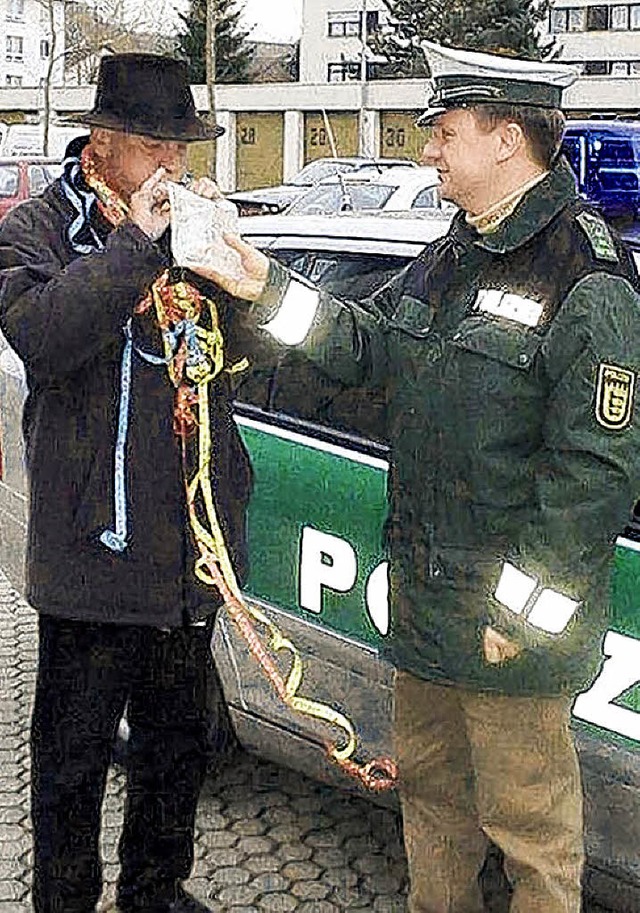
column 509, row 353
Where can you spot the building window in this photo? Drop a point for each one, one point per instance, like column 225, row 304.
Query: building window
column 346, row 71
column 373, row 21
column 596, row 68
column 619, row 18
column 558, row 22
column 577, row 19
column 15, row 48
column 45, row 49
column 634, row 12
column 597, row 18
column 13, row 81
column 343, row 25
column 15, row 10
column 619, row 68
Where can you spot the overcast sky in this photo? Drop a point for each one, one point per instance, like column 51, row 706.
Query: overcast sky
column 276, row 20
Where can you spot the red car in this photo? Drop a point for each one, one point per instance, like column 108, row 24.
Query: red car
column 22, row 178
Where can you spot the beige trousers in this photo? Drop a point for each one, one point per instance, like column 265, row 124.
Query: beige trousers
column 477, row 766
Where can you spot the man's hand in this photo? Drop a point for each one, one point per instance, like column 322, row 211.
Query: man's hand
column 497, row 648
column 207, row 188
column 149, row 207
column 253, row 271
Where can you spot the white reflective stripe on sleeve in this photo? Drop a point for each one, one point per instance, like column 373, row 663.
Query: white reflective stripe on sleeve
column 552, row 611
column 514, row 588
column 295, row 316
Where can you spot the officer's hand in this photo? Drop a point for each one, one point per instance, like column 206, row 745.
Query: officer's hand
column 250, row 278
column 498, row 648
column 149, row 207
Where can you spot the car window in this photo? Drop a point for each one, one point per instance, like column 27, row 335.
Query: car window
column 319, row 170
column 427, row 199
column 571, row 148
column 40, row 176
column 9, row 180
column 296, row 387
column 328, row 198
column 614, row 153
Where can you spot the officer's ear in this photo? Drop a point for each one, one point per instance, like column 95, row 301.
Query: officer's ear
column 511, row 140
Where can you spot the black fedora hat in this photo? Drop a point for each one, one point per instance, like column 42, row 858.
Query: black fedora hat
column 147, row 94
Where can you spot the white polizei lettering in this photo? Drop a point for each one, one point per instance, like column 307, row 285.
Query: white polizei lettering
column 325, row 561
column 377, row 596
column 620, row 672
column 552, row 611
column 512, row 307
column 295, row 315
column 514, row 588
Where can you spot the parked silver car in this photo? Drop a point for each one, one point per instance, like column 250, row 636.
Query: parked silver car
column 266, row 200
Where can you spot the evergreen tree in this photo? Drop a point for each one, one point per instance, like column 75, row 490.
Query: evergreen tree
column 512, row 26
column 233, row 54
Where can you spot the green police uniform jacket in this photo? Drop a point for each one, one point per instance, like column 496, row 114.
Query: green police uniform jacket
column 509, row 363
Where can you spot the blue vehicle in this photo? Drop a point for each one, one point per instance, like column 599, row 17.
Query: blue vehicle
column 605, row 155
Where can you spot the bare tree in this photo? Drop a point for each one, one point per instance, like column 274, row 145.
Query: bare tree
column 114, row 26
column 49, row 6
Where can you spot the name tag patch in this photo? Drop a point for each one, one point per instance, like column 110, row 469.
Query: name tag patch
column 509, row 306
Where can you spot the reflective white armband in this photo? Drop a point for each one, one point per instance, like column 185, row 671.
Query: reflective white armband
column 514, row 588
column 296, row 314
column 552, row 611
column 544, row 608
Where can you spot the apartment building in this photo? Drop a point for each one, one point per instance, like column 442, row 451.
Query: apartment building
column 602, row 35
column 25, row 42
column 332, row 31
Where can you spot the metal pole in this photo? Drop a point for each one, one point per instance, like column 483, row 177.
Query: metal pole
column 363, row 79
column 210, row 63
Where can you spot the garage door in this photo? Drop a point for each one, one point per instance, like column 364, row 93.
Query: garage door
column 200, row 158
column 399, row 136
column 259, row 150
column 317, row 140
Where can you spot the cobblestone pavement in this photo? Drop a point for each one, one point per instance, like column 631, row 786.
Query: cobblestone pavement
column 268, row 840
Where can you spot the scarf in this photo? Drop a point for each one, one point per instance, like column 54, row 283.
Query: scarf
column 194, row 356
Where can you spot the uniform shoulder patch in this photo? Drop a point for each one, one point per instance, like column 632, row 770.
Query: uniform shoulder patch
column 615, row 392
column 599, row 236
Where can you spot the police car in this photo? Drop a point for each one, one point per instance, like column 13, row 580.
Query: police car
column 318, row 582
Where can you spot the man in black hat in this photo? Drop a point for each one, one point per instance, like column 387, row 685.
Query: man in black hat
column 105, row 327
column 509, row 353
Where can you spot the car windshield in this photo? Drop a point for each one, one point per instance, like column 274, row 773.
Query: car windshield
column 328, row 198
column 299, row 388
column 319, row 170
column 9, row 180
column 429, row 198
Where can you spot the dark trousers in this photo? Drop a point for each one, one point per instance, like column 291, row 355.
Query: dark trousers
column 87, row 674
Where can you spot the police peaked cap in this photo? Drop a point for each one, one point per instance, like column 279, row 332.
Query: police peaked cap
column 461, row 79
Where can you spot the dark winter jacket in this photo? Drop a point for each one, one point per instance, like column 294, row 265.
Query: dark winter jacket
column 510, row 362
column 65, row 314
